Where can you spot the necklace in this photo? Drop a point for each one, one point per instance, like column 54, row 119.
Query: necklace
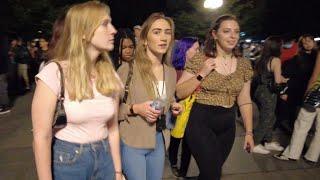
column 227, row 64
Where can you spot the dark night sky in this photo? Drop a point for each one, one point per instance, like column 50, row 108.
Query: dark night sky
column 127, row 13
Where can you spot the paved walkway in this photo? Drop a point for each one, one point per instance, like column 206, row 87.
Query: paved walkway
column 16, row 158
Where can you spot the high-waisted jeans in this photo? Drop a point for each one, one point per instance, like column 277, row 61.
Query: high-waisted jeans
column 90, row 161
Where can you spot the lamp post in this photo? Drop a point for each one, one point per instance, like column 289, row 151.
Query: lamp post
column 212, row 4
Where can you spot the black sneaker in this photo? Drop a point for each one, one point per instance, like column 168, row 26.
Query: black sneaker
column 5, row 110
column 311, row 163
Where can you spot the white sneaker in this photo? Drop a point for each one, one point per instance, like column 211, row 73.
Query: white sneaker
column 260, row 149
column 273, row 146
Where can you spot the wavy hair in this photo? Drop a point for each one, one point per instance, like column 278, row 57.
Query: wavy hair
column 210, row 47
column 81, row 21
column 271, row 49
column 300, row 44
column 143, row 61
column 180, row 50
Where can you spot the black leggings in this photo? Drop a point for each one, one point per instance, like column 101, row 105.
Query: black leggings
column 210, row 134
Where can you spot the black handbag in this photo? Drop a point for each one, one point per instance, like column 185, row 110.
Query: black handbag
column 278, row 88
column 312, row 100
column 60, row 117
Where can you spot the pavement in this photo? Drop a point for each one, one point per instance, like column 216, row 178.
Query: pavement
column 17, row 161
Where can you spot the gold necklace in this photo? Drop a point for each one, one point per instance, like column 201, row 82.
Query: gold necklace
column 226, row 63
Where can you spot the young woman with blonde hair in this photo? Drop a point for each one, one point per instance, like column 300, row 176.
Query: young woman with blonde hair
column 142, row 135
column 88, row 146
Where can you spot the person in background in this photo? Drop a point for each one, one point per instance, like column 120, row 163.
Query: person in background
column 137, row 31
column 143, row 128
column 124, row 47
column 302, row 126
column 298, row 70
column 289, row 49
column 5, row 106
column 42, row 54
column 22, row 58
column 89, row 144
column 184, row 50
column 268, row 71
column 224, row 79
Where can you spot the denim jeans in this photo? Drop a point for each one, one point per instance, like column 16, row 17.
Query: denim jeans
column 90, row 161
column 143, row 164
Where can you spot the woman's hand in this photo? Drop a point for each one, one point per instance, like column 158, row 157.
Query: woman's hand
column 176, row 109
column 207, row 67
column 248, row 143
column 145, row 110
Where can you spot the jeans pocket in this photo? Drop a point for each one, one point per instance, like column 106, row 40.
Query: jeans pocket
column 63, row 156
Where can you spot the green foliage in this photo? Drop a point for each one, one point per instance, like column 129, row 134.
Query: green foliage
column 192, row 19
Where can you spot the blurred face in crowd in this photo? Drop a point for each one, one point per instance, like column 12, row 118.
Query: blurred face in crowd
column 308, row 44
column 127, row 49
column 227, row 35
column 14, row 43
column 43, row 43
column 137, row 32
column 192, row 50
column 159, row 37
column 103, row 37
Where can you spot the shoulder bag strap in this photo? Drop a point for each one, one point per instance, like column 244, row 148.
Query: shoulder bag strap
column 126, row 90
column 61, row 81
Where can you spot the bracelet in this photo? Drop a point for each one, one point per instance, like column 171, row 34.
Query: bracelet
column 245, row 104
column 118, row 172
column 249, row 133
column 131, row 110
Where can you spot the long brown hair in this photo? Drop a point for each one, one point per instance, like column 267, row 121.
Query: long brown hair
column 143, row 61
column 210, row 47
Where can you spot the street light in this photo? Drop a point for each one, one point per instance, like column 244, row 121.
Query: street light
column 212, row 4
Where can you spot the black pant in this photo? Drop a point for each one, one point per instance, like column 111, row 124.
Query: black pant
column 210, row 134
column 185, row 154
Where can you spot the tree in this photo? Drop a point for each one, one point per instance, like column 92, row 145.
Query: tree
column 191, row 18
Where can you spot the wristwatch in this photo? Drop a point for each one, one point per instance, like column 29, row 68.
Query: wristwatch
column 199, row 77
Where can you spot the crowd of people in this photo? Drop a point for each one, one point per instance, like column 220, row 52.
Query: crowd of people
column 132, row 96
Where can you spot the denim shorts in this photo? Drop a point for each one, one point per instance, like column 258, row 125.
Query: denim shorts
column 72, row 161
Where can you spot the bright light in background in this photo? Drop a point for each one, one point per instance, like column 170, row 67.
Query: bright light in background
column 212, row 4
column 248, row 40
column 317, row 39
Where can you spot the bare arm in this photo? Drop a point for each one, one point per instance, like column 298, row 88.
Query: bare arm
column 186, row 85
column 315, row 73
column 43, row 106
column 114, row 140
column 245, row 106
column 276, row 69
column 188, row 82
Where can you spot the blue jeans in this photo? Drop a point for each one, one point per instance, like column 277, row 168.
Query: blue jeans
column 143, row 164
column 82, row 161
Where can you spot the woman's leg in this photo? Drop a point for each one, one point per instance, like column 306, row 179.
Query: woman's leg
column 266, row 115
column 203, row 143
column 300, row 132
column 173, row 150
column 133, row 162
column 185, row 158
column 314, row 148
column 155, row 159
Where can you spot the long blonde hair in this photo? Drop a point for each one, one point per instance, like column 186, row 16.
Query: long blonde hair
column 142, row 59
column 80, row 24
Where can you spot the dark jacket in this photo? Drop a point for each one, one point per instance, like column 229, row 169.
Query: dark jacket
column 22, row 55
